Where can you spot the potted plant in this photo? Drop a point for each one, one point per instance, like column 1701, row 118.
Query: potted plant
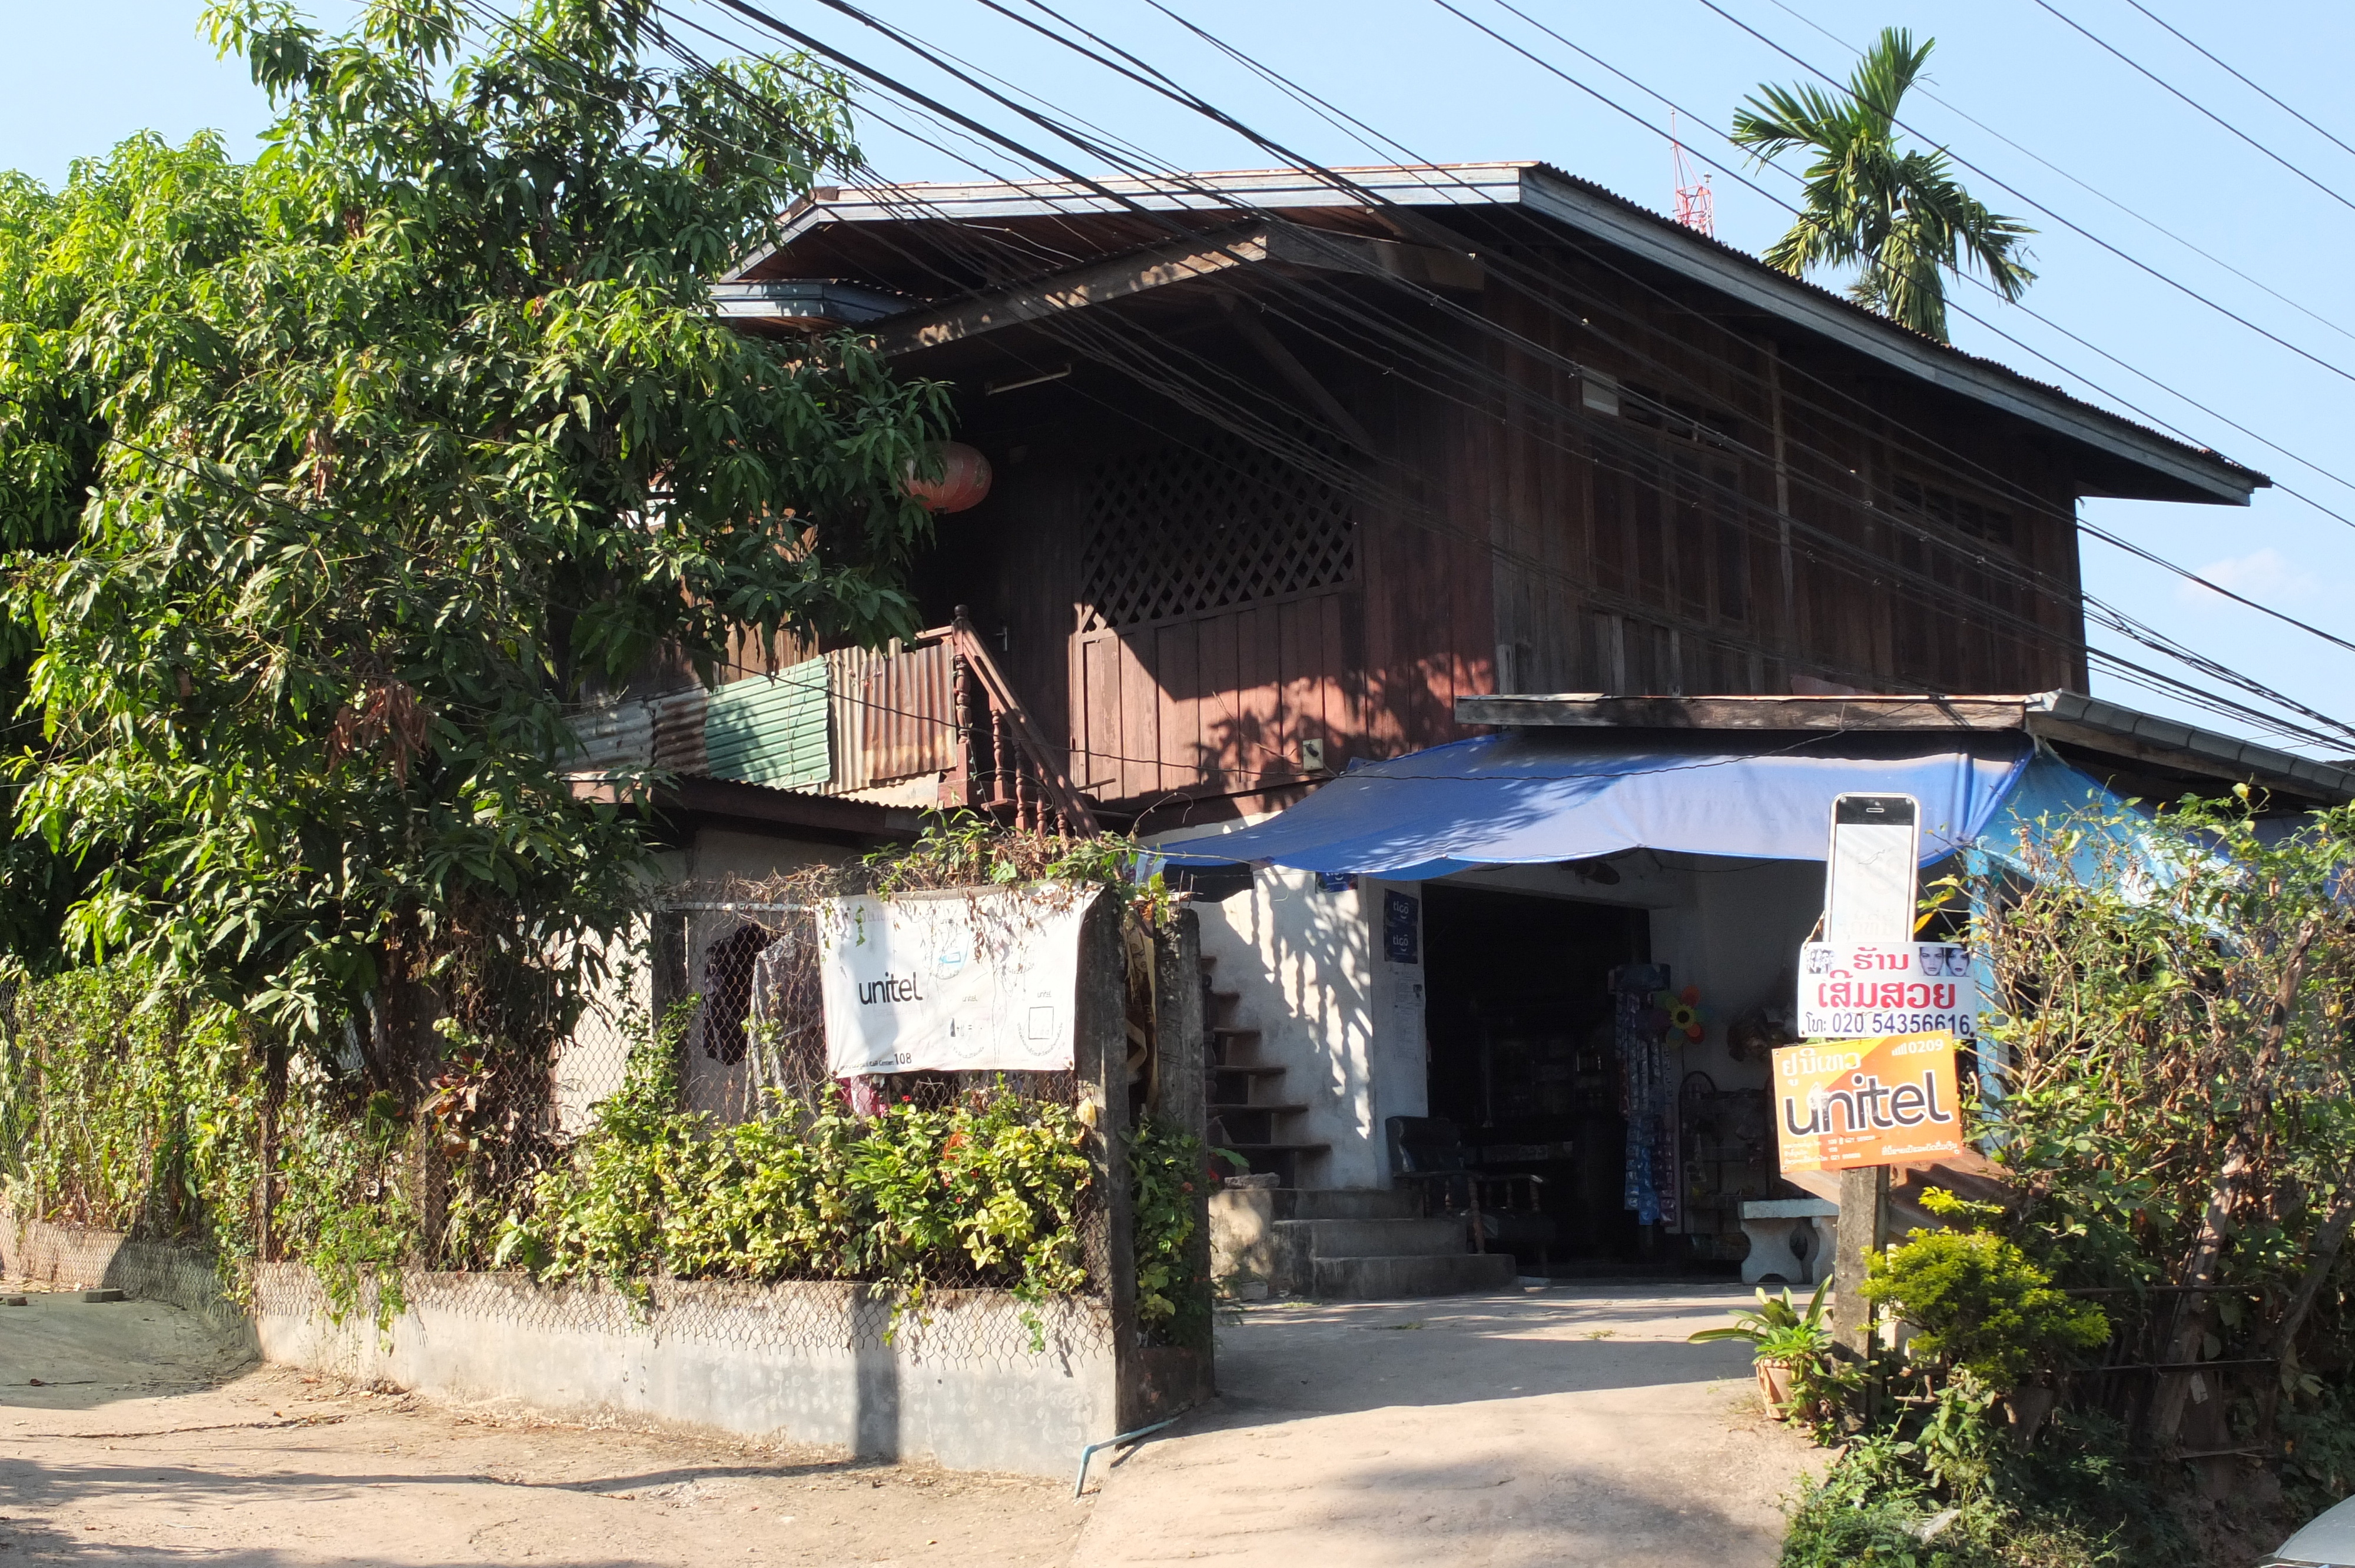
column 1788, row 1345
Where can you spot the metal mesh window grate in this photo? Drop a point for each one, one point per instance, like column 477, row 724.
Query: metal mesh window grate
column 1190, row 529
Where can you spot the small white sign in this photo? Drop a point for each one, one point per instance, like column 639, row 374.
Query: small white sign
column 1862, row 990
column 961, row 981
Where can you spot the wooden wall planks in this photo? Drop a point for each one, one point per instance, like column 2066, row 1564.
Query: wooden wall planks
column 1221, row 703
column 1518, row 539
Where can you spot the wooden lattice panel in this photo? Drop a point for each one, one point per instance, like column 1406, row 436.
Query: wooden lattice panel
column 1189, row 531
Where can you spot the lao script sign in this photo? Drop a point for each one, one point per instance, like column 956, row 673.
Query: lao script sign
column 1848, row 1104
column 1862, row 990
column 955, row 982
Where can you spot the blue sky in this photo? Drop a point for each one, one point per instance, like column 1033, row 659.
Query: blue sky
column 93, row 72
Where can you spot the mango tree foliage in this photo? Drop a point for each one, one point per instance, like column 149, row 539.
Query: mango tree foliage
column 333, row 479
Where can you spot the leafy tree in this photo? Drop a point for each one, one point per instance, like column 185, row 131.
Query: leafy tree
column 370, row 457
column 1897, row 214
column 2178, row 1030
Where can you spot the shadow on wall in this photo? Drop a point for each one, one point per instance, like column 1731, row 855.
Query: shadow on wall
column 1301, row 958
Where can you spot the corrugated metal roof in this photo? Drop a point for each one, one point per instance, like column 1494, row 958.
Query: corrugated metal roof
column 1548, row 192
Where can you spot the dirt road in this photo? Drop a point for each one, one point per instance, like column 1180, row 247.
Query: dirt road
column 146, row 1440
column 1542, row 1427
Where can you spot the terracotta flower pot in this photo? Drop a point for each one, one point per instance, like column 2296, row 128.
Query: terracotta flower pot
column 2026, row 1408
column 1775, row 1388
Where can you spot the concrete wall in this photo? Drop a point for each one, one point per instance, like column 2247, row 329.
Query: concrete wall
column 77, row 1257
column 715, row 854
column 958, row 1386
column 801, row 1363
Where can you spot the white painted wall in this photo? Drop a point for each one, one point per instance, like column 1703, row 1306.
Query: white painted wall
column 1400, row 1067
column 1301, row 959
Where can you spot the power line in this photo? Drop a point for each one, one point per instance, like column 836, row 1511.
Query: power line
column 2074, row 228
column 1949, row 105
column 2241, row 79
column 2207, row 666
column 2073, row 374
column 2064, row 369
column 2119, row 54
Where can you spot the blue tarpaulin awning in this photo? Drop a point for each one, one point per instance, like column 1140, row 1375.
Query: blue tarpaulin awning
column 1524, row 798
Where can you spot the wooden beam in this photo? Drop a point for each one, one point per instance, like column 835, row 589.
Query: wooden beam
column 1182, row 262
column 1074, row 290
column 1270, row 348
column 2067, row 717
column 1598, row 711
column 1427, row 266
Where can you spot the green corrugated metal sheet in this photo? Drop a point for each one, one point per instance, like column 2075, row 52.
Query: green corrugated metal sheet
column 771, row 729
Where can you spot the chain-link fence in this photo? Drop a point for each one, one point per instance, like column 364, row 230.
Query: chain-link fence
column 730, row 985
column 682, row 1149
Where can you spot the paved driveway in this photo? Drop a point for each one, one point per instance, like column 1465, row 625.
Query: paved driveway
column 1561, row 1425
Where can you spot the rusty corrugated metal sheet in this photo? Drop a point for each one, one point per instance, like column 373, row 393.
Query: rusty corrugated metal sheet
column 679, row 733
column 889, row 715
column 909, row 705
column 892, row 715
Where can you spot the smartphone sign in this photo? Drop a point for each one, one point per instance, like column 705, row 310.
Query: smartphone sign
column 1869, row 879
column 1867, row 989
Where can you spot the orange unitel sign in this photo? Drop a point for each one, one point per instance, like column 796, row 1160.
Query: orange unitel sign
column 1842, row 1104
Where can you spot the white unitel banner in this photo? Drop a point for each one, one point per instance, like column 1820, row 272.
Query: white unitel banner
column 1862, row 990
column 963, row 982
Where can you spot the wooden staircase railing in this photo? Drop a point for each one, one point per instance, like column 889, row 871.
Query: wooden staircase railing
column 1004, row 765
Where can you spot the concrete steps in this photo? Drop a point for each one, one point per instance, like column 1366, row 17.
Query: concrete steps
column 1343, row 1203
column 1346, row 1245
column 1380, row 1278
column 1374, row 1238
column 1248, row 1110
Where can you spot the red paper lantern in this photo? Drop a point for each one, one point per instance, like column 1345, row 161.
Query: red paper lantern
column 964, row 481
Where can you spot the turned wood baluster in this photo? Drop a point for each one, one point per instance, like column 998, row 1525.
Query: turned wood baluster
column 962, row 781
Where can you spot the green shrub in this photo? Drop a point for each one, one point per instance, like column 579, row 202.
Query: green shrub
column 988, row 1191
column 1169, row 1169
column 1977, row 1302
column 1938, row 1487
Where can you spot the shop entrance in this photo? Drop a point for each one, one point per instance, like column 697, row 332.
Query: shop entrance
column 1518, row 1017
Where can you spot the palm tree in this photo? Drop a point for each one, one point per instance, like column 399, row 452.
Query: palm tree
column 1899, row 214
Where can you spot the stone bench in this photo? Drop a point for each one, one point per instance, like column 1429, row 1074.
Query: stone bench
column 1790, row 1239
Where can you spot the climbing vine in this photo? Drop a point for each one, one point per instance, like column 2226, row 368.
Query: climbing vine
column 124, row 1106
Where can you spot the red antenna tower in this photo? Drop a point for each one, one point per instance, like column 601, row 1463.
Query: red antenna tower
column 1696, row 203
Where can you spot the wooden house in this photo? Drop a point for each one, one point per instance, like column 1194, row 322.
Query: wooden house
column 1294, row 471
column 1285, row 464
